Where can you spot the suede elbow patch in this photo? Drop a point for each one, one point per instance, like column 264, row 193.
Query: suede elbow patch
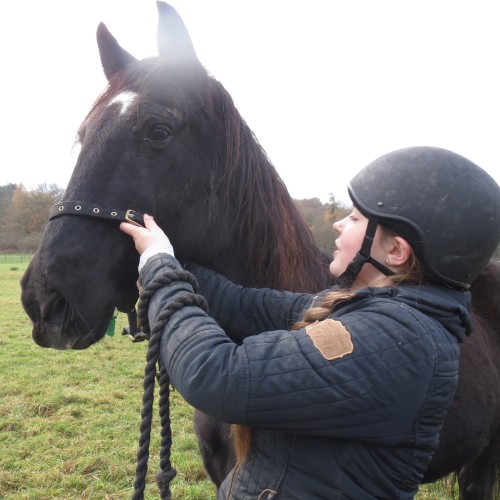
column 331, row 338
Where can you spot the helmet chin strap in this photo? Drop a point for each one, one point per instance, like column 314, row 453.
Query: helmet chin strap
column 348, row 277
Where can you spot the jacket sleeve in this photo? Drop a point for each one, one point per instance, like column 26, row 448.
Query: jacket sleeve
column 284, row 380
column 243, row 311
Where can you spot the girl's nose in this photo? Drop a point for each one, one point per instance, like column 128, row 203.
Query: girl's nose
column 337, row 226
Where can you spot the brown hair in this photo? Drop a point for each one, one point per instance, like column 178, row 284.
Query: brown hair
column 411, row 274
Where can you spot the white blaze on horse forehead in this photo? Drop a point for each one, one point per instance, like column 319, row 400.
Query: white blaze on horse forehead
column 125, row 98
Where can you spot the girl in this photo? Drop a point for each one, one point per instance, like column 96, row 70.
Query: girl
column 344, row 392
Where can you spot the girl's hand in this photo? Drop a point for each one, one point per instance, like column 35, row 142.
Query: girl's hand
column 145, row 237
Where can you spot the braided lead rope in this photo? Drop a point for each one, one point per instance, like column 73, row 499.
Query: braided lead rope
column 167, row 473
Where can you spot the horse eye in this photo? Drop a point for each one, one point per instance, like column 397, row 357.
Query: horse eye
column 157, row 133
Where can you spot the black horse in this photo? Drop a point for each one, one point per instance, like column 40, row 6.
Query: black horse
column 165, row 138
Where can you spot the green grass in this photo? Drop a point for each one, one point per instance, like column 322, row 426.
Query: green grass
column 69, row 420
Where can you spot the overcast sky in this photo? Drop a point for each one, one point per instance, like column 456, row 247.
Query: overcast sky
column 326, row 86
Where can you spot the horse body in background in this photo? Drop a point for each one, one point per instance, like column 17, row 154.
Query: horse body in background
column 165, row 138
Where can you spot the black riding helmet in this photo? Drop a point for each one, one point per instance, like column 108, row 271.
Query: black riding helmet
column 445, row 206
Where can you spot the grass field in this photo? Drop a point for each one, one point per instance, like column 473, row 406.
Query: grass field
column 69, row 420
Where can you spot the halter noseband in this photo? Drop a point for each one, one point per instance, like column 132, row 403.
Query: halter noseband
column 92, row 210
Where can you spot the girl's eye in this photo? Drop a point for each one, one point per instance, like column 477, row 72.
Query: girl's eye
column 158, row 133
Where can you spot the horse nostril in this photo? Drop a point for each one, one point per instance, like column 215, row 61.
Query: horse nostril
column 31, row 308
column 52, row 310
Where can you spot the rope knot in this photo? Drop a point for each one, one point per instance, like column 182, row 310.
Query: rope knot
column 164, row 478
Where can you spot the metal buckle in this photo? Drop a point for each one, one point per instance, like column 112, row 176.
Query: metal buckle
column 129, row 217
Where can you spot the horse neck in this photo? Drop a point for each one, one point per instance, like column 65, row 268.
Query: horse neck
column 485, row 294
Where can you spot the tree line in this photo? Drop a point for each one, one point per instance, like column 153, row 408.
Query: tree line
column 319, row 217
column 25, row 215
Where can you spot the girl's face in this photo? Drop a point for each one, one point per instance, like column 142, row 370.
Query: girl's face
column 351, row 231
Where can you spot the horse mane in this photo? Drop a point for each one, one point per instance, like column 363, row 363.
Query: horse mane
column 266, row 210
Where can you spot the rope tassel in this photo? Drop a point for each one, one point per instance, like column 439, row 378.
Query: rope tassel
column 167, row 472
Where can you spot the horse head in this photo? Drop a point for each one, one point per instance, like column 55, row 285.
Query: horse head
column 163, row 138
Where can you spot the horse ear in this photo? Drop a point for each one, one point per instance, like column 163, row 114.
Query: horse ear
column 174, row 42
column 113, row 57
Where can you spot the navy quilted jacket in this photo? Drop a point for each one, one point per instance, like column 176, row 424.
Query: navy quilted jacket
column 347, row 408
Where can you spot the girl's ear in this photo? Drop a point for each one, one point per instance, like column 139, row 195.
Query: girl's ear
column 400, row 252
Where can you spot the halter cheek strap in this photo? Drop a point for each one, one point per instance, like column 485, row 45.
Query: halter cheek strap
column 363, row 256
column 92, row 210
